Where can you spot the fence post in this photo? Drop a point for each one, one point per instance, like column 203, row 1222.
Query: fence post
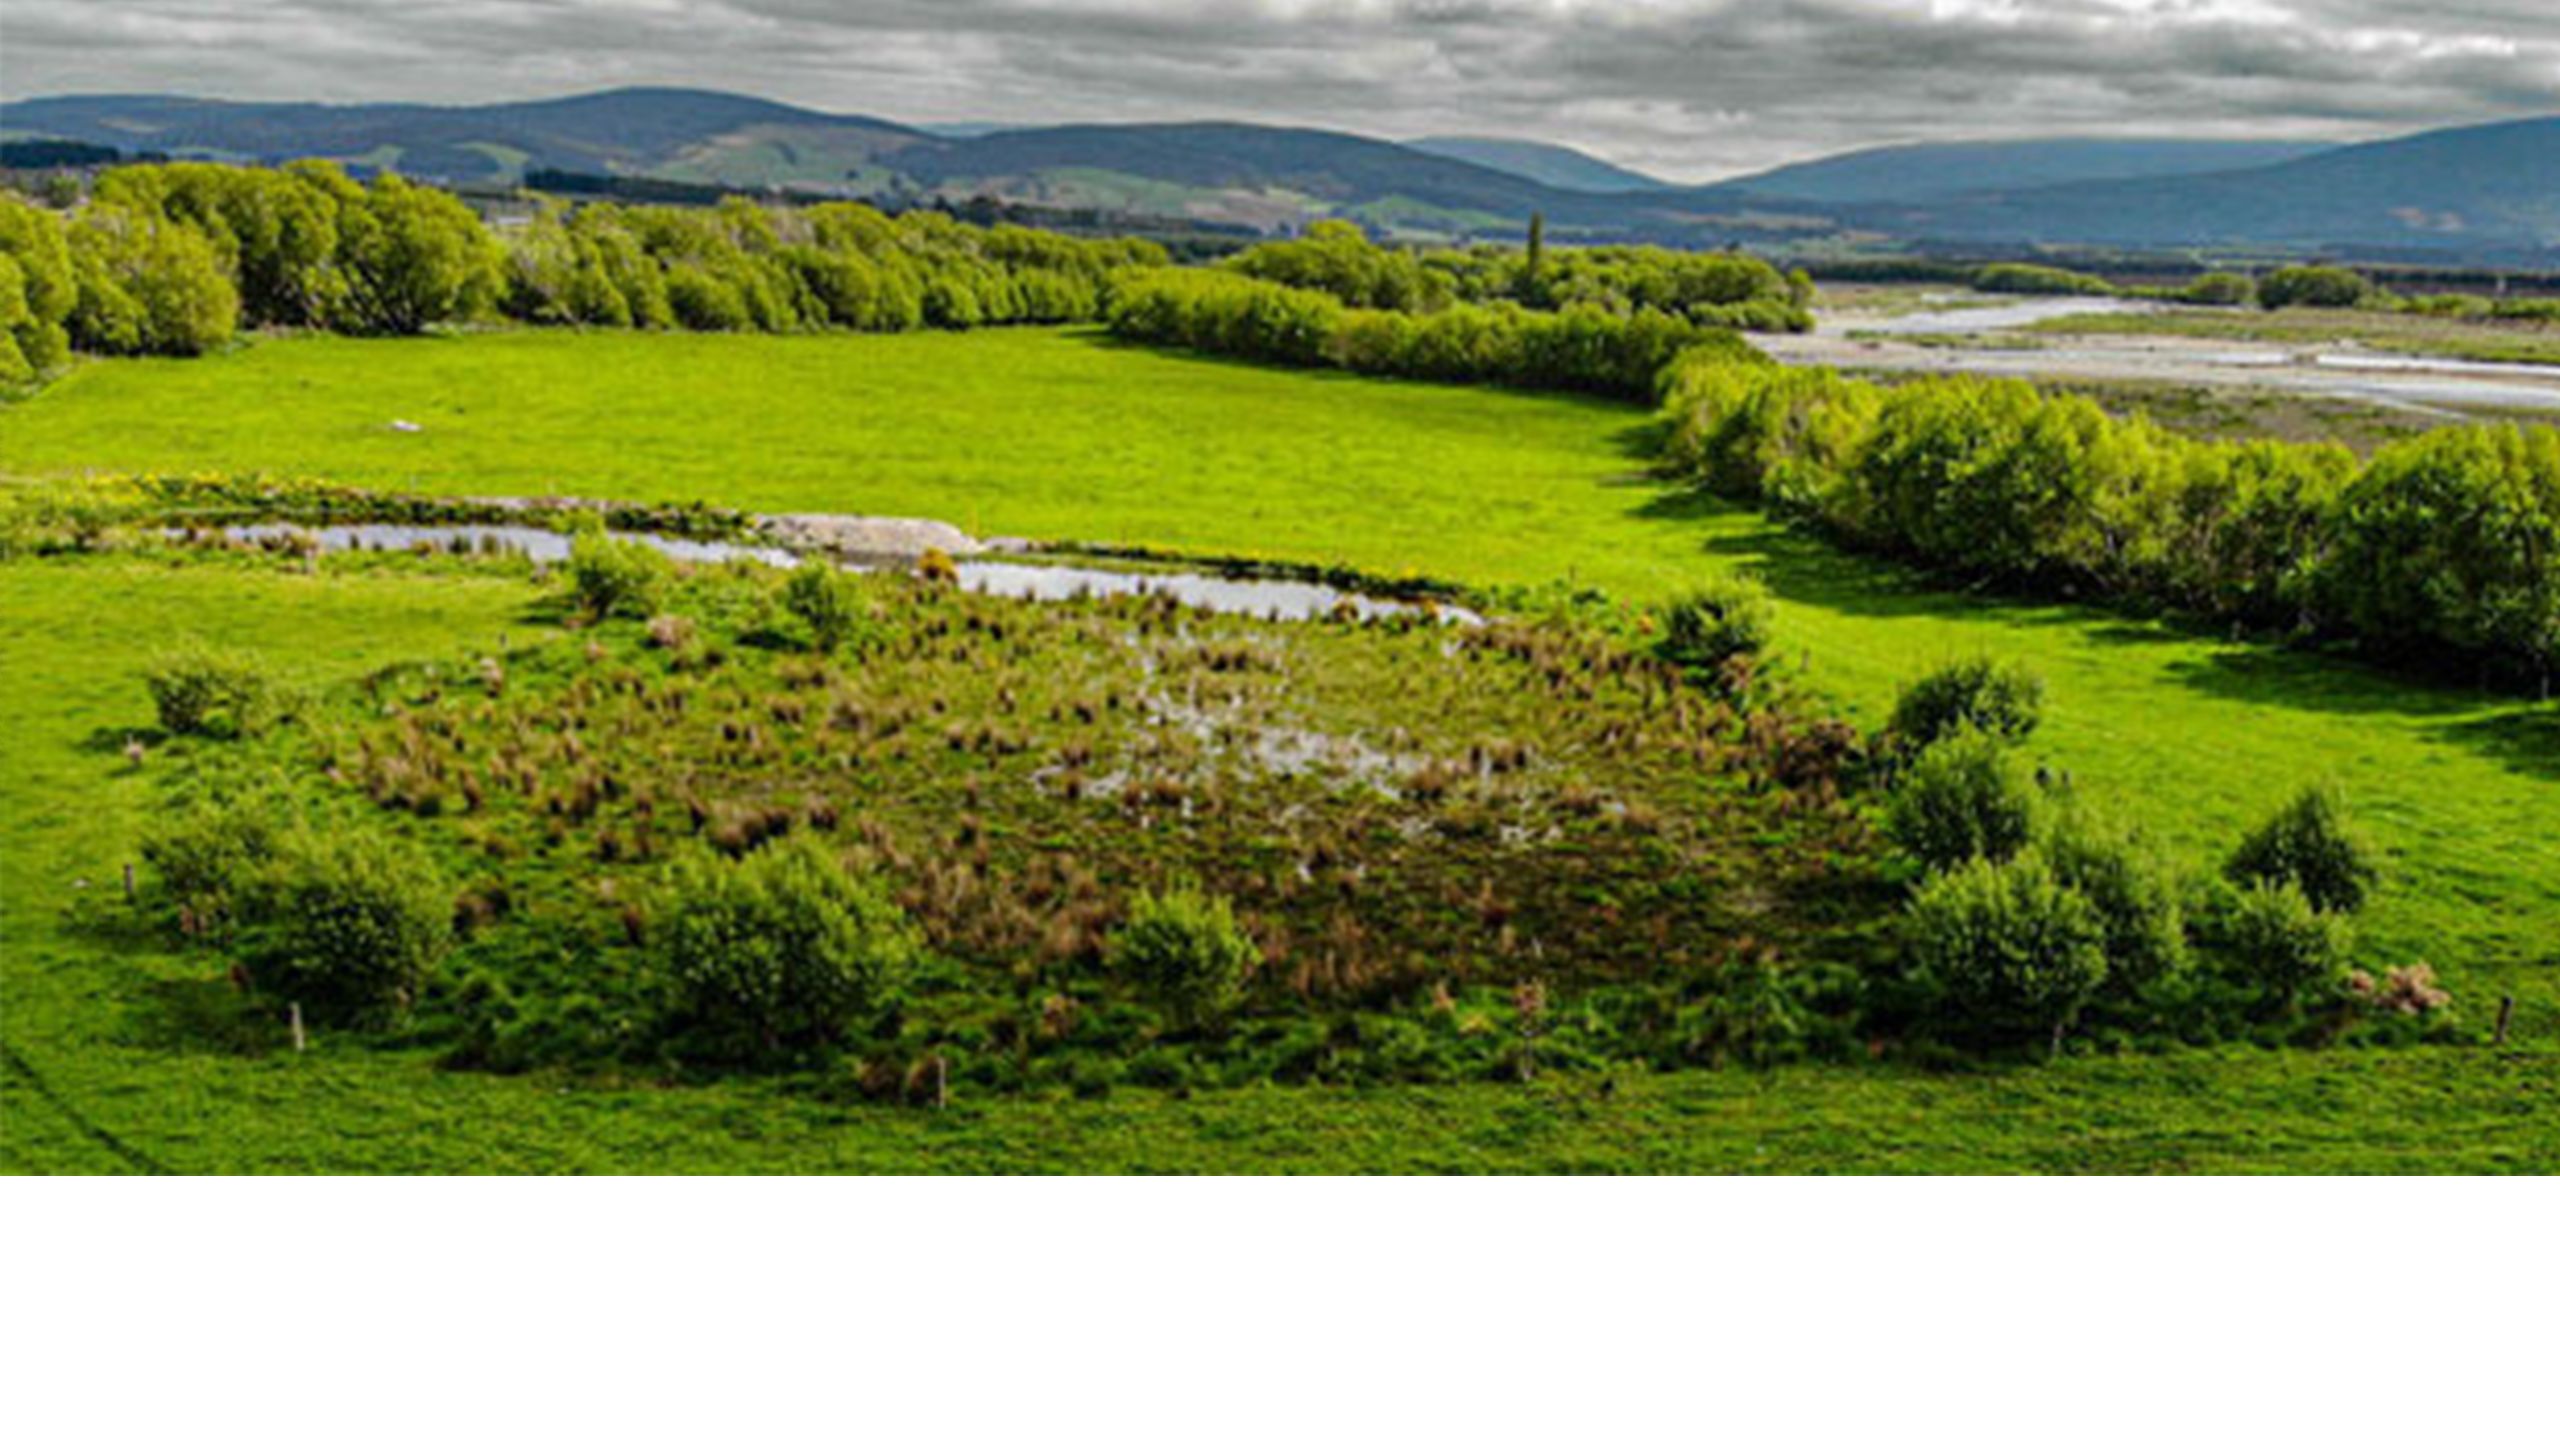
column 299, row 1039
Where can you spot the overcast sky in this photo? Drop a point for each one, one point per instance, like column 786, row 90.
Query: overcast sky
column 1690, row 89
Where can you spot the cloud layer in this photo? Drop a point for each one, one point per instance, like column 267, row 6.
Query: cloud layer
column 1691, row 89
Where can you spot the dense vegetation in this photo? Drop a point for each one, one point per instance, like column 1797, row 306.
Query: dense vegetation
column 2443, row 544
column 908, row 835
column 1733, row 291
column 172, row 259
column 1581, row 347
column 1009, row 845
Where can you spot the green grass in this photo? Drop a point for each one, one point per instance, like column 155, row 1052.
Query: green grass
column 1063, row 436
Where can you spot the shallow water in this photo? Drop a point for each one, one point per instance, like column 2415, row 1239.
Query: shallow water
column 2005, row 316
column 1261, row 599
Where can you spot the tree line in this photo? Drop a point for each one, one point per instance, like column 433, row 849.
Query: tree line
column 2443, row 543
column 175, row 259
column 1733, row 291
column 1578, row 348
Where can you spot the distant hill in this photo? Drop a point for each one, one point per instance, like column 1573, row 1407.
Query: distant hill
column 1286, row 174
column 1900, row 174
column 678, row 134
column 1560, row 166
column 2476, row 190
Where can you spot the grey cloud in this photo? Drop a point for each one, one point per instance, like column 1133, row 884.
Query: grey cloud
column 1690, row 88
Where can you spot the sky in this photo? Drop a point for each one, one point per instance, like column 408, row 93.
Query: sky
column 1686, row 89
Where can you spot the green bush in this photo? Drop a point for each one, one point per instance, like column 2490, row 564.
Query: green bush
column 201, row 689
column 210, row 860
column 2287, row 945
column 2010, row 947
column 2015, row 279
column 781, row 951
column 2141, row 917
column 2452, row 539
column 2310, row 845
column 1968, row 797
column 351, row 924
column 2219, row 287
column 1725, row 618
column 2317, row 286
column 1186, row 952
column 616, row 577
column 2001, row 699
column 824, row 600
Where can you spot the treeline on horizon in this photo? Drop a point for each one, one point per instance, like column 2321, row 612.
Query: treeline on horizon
column 175, row 259
column 2444, row 545
column 1709, row 288
column 1582, row 347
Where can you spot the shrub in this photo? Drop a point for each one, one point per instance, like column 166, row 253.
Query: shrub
column 2140, row 917
column 1186, row 951
column 209, row 860
column 2283, row 942
column 2012, row 949
column 2015, row 279
column 2219, row 287
column 1714, row 623
column 2319, row 286
column 2309, row 845
column 780, row 951
column 2003, row 700
column 823, row 599
column 616, row 577
column 1965, row 798
column 353, row 924
column 200, row 689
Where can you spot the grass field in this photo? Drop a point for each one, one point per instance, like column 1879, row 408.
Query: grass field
column 1063, row 436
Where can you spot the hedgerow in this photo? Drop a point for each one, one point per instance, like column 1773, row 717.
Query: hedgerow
column 1581, row 347
column 2445, row 544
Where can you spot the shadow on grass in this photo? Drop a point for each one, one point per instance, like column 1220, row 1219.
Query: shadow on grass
column 1806, row 569
column 2527, row 742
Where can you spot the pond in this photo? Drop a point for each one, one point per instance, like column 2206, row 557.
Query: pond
column 1013, row 579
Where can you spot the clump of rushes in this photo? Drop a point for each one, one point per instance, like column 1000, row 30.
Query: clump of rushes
column 1721, row 621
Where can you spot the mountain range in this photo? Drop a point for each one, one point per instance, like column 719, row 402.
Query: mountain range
column 2469, row 193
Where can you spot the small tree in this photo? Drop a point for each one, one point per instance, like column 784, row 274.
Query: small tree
column 1719, row 621
column 2310, row 845
column 2005, row 700
column 783, row 950
column 823, row 599
column 1966, row 798
column 1186, row 951
column 2011, row 947
column 353, row 923
column 2286, row 944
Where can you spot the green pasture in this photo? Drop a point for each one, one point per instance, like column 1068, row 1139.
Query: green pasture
column 1062, row 435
